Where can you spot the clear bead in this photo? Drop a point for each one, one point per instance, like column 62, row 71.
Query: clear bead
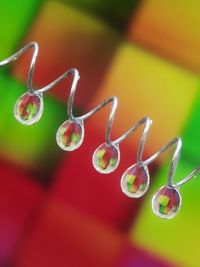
column 28, row 108
column 70, row 135
column 166, row 202
column 135, row 181
column 106, row 158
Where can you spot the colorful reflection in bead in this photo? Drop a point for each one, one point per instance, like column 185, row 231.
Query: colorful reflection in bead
column 70, row 135
column 135, row 181
column 106, row 158
column 28, row 108
column 166, row 202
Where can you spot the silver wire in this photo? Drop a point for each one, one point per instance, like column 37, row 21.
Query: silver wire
column 15, row 56
column 189, row 177
column 146, row 120
column 76, row 76
column 175, row 159
column 175, row 141
column 114, row 101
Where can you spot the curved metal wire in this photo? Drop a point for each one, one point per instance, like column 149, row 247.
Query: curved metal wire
column 74, row 72
column 174, row 162
column 175, row 158
column 188, row 177
column 15, row 56
column 146, row 121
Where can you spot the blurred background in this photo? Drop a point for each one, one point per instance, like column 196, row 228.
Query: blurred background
column 55, row 209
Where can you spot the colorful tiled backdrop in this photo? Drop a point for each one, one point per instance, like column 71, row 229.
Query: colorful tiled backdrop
column 55, row 210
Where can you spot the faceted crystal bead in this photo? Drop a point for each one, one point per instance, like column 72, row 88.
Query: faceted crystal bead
column 106, row 158
column 28, row 108
column 135, row 181
column 166, row 202
column 70, row 135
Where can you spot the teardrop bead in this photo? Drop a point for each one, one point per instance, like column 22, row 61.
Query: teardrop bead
column 166, row 202
column 28, row 108
column 70, row 135
column 106, row 158
column 135, row 181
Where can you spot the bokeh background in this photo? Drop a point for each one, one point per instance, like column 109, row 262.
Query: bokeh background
column 55, row 210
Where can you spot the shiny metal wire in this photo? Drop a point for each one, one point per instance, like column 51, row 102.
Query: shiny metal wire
column 146, row 121
column 74, row 72
column 177, row 142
